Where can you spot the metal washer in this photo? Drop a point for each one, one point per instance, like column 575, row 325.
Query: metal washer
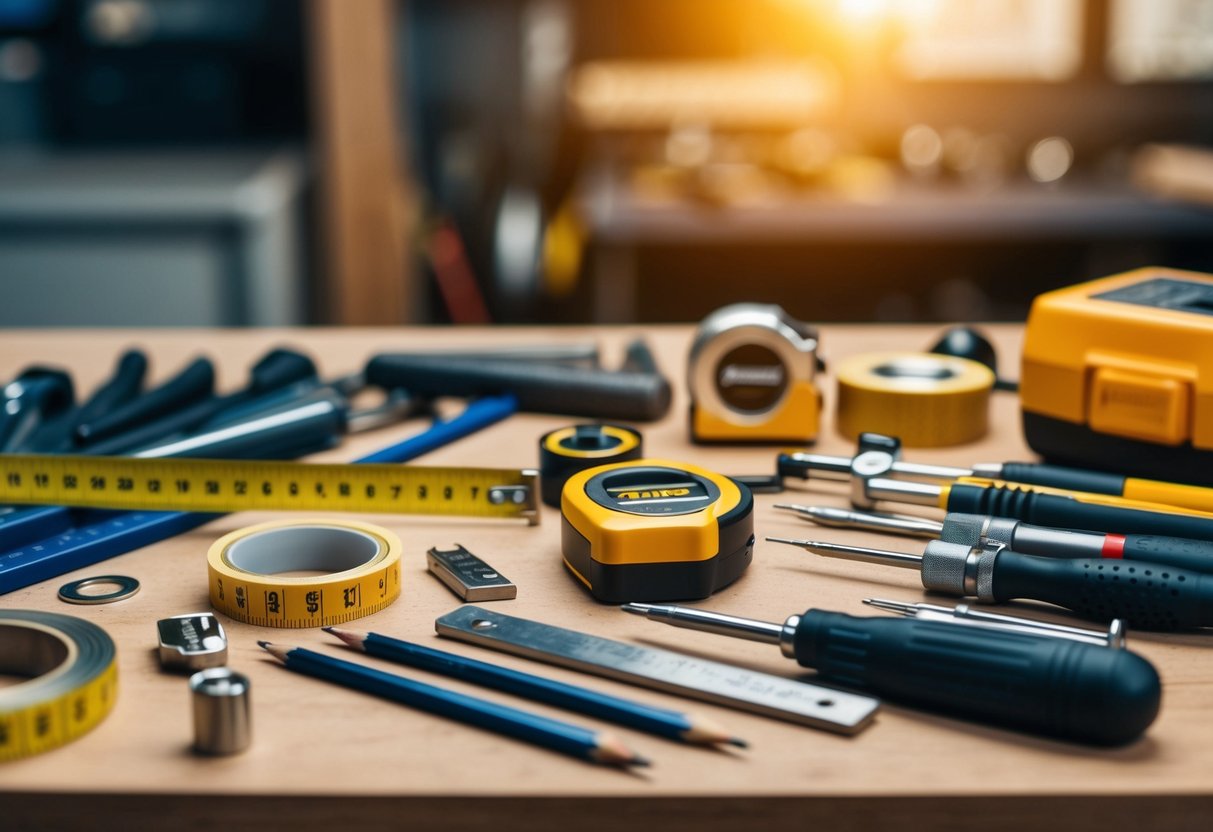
column 70, row 592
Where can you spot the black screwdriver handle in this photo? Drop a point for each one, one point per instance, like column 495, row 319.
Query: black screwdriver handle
column 1050, row 686
column 1180, row 552
column 1066, row 513
column 195, row 382
column 1059, row 476
column 538, row 386
column 1146, row 595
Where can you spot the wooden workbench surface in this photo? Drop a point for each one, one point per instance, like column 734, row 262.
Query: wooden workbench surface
column 326, row 757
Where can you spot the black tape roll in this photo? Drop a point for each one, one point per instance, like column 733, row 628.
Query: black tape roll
column 565, row 451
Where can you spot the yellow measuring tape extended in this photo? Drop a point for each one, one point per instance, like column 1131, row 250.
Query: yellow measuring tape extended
column 72, row 685
column 359, row 565
column 206, row 485
column 926, row 400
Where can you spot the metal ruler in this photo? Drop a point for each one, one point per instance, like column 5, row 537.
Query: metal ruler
column 664, row 670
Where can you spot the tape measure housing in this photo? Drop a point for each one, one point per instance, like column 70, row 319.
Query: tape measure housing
column 654, row 530
column 751, row 375
column 565, row 451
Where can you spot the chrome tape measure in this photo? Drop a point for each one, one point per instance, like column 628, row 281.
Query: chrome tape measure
column 207, row 485
column 72, row 686
column 924, row 399
column 360, row 563
column 751, row 374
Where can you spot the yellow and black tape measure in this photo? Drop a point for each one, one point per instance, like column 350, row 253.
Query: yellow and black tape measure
column 205, row 485
column 358, row 566
column 654, row 530
column 72, row 684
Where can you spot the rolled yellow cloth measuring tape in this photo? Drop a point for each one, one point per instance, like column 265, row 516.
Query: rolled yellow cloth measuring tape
column 358, row 566
column 72, row 686
column 926, row 400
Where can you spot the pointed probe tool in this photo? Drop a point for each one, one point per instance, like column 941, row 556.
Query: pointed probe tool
column 867, row 462
column 1179, row 552
column 1148, row 596
column 1030, row 681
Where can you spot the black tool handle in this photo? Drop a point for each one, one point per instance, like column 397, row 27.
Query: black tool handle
column 1146, row 595
column 196, row 381
column 1050, row 686
column 1059, row 476
column 539, row 387
column 1066, row 513
column 1194, row 555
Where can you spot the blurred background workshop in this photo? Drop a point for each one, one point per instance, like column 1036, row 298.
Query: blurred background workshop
column 437, row 350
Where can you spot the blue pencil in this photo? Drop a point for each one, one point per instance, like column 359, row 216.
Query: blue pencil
column 659, row 721
column 539, row 730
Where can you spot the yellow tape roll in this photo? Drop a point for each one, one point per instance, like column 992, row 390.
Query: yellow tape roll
column 248, row 572
column 924, row 399
column 73, row 684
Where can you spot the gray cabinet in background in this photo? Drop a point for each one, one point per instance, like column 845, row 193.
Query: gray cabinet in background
column 153, row 239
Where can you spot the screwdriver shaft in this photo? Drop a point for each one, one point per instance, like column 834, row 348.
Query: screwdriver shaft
column 857, row 553
column 709, row 622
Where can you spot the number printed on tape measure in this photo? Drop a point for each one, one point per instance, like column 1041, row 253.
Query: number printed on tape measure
column 224, row 486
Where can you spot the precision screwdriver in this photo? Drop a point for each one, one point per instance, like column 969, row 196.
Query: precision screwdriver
column 1180, row 552
column 1194, row 497
column 1038, row 683
column 1144, row 594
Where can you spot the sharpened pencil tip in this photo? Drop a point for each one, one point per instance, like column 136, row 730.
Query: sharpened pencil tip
column 643, row 762
column 332, row 630
column 265, row 645
column 738, row 742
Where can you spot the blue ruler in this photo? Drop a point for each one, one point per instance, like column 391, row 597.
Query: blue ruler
column 121, row 532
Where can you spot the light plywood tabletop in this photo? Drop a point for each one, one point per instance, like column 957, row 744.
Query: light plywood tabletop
column 325, row 757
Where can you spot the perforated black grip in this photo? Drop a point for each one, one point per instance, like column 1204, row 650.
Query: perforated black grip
column 1147, row 595
column 1050, row 686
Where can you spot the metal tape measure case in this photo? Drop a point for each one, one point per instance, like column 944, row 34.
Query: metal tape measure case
column 1119, row 371
column 652, row 530
column 751, row 374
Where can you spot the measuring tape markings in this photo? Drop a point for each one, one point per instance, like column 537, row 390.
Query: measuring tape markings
column 361, row 563
column 201, row 485
column 73, row 686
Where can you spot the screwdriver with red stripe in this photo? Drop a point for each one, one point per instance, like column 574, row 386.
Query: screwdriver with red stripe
column 972, row 529
column 1148, row 596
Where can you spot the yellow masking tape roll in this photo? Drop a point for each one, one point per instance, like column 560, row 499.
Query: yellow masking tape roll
column 354, row 571
column 72, row 684
column 924, row 399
